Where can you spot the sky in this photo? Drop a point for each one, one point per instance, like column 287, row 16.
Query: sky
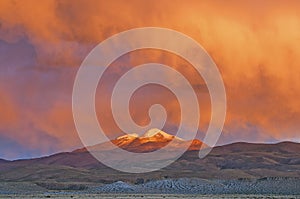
column 255, row 45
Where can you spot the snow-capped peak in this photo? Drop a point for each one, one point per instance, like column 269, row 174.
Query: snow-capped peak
column 128, row 136
column 155, row 132
column 152, row 134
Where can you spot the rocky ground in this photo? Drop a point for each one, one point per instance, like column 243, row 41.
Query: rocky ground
column 150, row 196
column 286, row 186
column 182, row 186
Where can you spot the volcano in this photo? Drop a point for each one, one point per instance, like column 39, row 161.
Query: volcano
column 152, row 140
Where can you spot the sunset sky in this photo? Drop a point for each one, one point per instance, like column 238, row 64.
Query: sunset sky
column 255, row 44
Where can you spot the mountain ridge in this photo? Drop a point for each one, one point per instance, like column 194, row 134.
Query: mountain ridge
column 233, row 161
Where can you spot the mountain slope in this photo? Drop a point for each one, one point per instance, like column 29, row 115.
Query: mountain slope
column 238, row 160
column 234, row 161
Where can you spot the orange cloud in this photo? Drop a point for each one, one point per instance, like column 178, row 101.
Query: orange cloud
column 254, row 44
column 8, row 116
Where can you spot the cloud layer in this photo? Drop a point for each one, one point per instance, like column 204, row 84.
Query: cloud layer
column 255, row 45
